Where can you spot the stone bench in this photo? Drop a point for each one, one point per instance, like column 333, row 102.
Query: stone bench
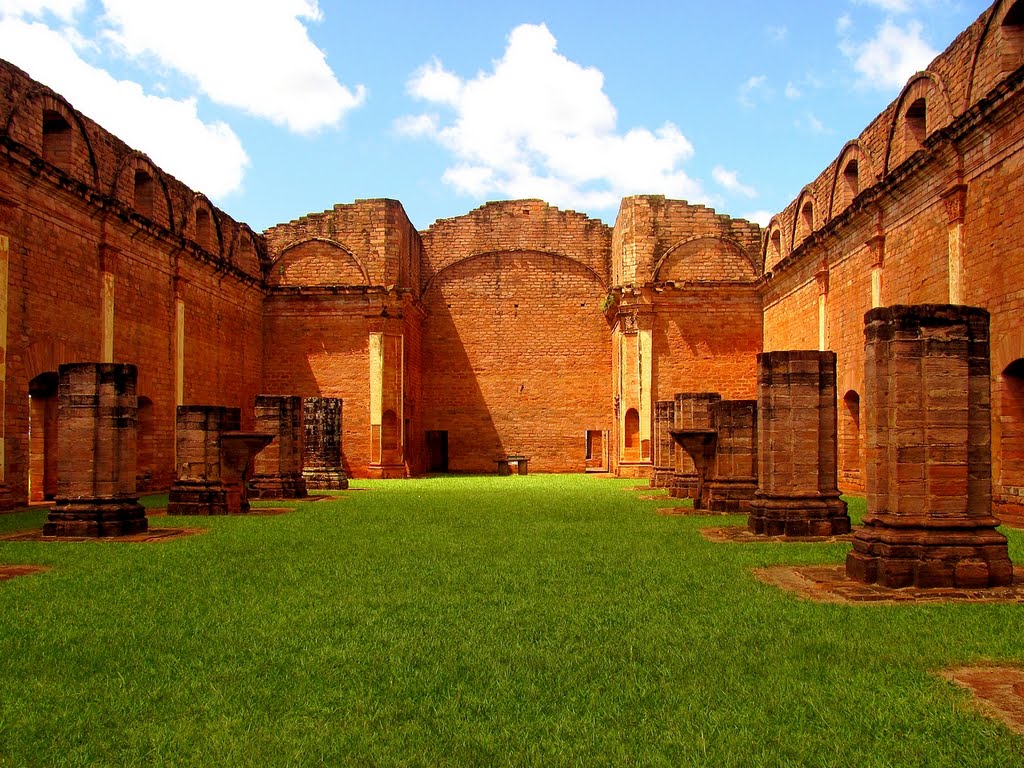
column 504, row 464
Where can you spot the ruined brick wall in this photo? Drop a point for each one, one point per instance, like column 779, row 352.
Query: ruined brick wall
column 87, row 216
column 921, row 208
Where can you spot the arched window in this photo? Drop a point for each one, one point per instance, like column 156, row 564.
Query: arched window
column 915, row 122
column 144, row 193
column 851, row 179
column 804, row 222
column 204, row 229
column 1011, row 38
column 775, row 248
column 57, row 140
column 631, row 435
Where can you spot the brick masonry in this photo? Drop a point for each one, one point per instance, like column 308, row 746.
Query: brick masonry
column 929, row 516
column 517, row 327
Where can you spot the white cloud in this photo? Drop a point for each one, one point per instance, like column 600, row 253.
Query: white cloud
column 889, row 58
column 540, row 125
column 254, row 56
column 206, row 156
column 754, row 88
column 730, row 181
column 64, row 10
column 843, row 25
column 777, row 33
column 889, row 6
column 792, row 92
column 761, row 218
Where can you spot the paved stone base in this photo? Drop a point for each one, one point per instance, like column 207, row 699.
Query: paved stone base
column 150, row 535
column 736, row 534
column 277, row 487
column 325, row 479
column 96, row 518
column 830, row 584
column 688, row 512
column 998, row 690
column 14, row 571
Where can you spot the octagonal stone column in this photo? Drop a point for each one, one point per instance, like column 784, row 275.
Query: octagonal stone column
column 929, row 519
column 322, row 468
column 733, row 476
column 278, row 467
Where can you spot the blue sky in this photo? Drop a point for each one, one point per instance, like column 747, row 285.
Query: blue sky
column 277, row 108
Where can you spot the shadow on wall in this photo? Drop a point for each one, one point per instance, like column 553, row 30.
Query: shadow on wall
column 517, row 360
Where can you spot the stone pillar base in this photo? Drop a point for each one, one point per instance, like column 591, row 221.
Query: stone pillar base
column 8, row 500
column 683, row 486
column 905, row 553
column 278, row 487
column 96, row 518
column 325, row 479
column 798, row 516
column 661, row 478
column 198, row 499
column 730, row 496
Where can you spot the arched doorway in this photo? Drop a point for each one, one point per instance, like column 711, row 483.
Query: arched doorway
column 850, row 476
column 1011, row 433
column 42, row 431
column 631, row 435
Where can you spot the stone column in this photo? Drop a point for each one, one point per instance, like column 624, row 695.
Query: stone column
column 200, row 489
column 929, row 519
column 733, row 476
column 322, row 468
column 692, row 411
column 96, row 453
column 664, row 445
column 278, row 467
column 797, row 452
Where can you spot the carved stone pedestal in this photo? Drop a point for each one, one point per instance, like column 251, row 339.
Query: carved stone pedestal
column 929, row 519
column 691, row 412
column 96, row 453
column 699, row 445
column 798, row 491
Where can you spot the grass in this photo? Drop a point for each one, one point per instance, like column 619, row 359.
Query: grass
column 475, row 621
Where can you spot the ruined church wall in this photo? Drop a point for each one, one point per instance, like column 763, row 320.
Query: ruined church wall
column 91, row 218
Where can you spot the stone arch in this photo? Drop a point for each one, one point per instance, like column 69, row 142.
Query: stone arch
column 688, row 261
column 846, row 185
column 124, row 188
column 772, row 252
column 245, row 254
column 202, row 225
column 29, row 112
column 317, row 261
column 908, row 129
column 492, row 254
column 631, row 435
column 805, row 217
column 1004, row 32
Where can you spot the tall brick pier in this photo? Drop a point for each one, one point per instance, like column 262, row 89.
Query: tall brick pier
column 929, row 519
column 797, row 488
column 96, row 453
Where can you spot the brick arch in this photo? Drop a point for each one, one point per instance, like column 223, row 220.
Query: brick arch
column 31, row 106
column 866, row 176
column 939, row 112
column 237, row 257
column 983, row 52
column 317, row 261
column 188, row 224
column 491, row 254
column 801, row 231
column 1008, row 348
column 680, row 253
column 47, row 355
column 124, row 175
column 770, row 244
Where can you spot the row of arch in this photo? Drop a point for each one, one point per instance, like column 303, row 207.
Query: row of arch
column 50, row 127
column 923, row 107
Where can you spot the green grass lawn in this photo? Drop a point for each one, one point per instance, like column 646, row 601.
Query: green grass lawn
column 475, row 621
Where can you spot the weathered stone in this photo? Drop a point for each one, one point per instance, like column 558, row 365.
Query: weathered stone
column 691, row 412
column 322, row 467
column 732, row 480
column 278, row 467
column 929, row 519
column 96, row 453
